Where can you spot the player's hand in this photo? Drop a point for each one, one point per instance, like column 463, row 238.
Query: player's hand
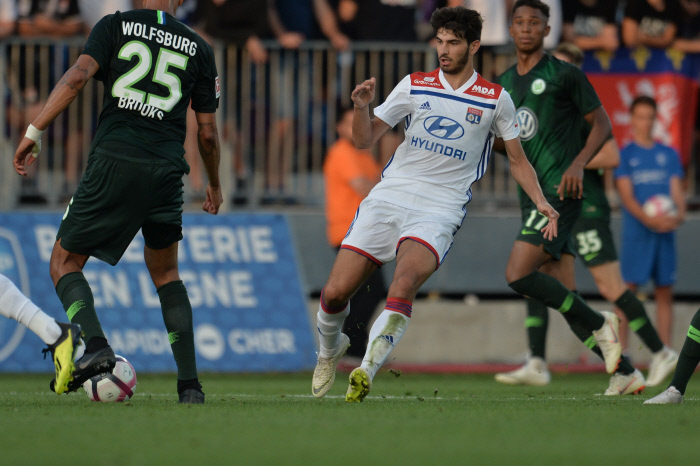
column 663, row 223
column 363, row 93
column 571, row 183
column 214, row 200
column 550, row 230
column 24, row 154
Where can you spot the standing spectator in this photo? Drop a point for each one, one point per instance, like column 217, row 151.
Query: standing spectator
column 297, row 16
column 379, row 20
column 350, row 174
column 8, row 17
column 57, row 19
column 651, row 23
column 688, row 40
column 648, row 168
column 590, row 24
column 495, row 15
column 91, row 11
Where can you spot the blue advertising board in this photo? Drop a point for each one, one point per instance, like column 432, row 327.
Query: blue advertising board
column 241, row 276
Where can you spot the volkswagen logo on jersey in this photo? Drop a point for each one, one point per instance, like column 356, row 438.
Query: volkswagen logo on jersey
column 14, row 267
column 528, row 123
column 443, row 127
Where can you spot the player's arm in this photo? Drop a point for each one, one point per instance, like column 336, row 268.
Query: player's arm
column 366, row 131
column 607, row 157
column 526, row 177
column 60, row 98
column 208, row 142
column 572, row 179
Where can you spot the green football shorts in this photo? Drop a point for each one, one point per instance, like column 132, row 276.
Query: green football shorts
column 532, row 222
column 594, row 242
column 118, row 196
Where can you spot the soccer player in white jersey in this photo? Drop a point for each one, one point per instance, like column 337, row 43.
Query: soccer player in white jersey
column 452, row 116
column 62, row 339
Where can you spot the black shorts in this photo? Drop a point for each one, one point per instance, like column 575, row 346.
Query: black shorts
column 533, row 221
column 117, row 196
column 594, row 241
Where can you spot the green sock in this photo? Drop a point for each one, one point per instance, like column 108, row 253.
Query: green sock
column 689, row 357
column 624, row 367
column 536, row 324
column 639, row 321
column 177, row 315
column 75, row 294
column 555, row 295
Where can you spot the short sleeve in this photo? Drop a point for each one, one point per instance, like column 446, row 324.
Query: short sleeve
column 207, row 89
column 101, row 42
column 505, row 124
column 580, row 89
column 623, row 169
column 397, row 105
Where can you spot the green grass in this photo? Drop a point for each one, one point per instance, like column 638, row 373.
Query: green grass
column 272, row 419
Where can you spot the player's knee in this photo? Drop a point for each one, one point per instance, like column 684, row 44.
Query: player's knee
column 334, row 295
column 513, row 275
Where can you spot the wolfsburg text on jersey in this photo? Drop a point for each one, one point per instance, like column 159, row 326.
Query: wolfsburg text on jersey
column 167, row 39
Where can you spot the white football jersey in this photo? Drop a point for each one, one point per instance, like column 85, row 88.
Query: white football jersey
column 449, row 137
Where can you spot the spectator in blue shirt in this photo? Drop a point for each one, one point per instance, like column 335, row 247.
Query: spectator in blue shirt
column 648, row 168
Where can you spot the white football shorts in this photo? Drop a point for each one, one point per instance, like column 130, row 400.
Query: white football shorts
column 380, row 227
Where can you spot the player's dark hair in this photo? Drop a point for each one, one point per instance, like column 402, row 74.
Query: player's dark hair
column 643, row 100
column 574, row 53
column 537, row 4
column 462, row 22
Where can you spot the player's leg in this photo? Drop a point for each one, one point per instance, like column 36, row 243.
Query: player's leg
column 76, row 296
column 363, row 306
column 608, row 278
column 415, row 263
column 349, row 271
column 62, row 339
column 522, row 276
column 177, row 316
column 687, row 363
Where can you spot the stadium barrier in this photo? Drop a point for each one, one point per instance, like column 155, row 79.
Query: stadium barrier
column 276, row 120
column 241, row 276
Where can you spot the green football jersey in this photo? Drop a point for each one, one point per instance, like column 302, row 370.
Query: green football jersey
column 551, row 101
column 152, row 65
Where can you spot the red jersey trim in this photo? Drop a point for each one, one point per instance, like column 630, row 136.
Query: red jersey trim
column 484, row 89
column 430, row 80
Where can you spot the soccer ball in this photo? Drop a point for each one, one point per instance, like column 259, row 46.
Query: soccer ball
column 659, row 204
column 118, row 385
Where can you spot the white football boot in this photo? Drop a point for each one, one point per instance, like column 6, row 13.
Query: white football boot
column 534, row 372
column 632, row 384
column 608, row 340
column 670, row 396
column 662, row 365
column 324, row 373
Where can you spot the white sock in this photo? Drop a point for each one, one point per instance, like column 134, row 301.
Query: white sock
column 385, row 333
column 329, row 327
column 15, row 305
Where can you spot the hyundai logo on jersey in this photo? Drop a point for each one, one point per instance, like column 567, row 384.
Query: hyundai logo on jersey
column 474, row 115
column 443, row 127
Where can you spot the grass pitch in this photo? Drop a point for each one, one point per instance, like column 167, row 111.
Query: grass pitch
column 411, row 419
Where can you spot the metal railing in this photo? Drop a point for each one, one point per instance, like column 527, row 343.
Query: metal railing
column 276, row 120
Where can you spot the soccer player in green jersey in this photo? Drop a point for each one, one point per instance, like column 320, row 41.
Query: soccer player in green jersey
column 152, row 65
column 553, row 101
column 596, row 248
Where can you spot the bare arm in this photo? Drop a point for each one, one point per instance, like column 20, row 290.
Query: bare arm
column 288, row 39
column 60, row 98
column 208, row 142
column 329, row 25
column 632, row 36
column 687, row 45
column 607, row 157
column 606, row 40
column 526, row 177
column 678, row 196
column 365, row 131
column 572, row 179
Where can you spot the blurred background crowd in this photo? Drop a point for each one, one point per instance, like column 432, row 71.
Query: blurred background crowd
column 287, row 69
